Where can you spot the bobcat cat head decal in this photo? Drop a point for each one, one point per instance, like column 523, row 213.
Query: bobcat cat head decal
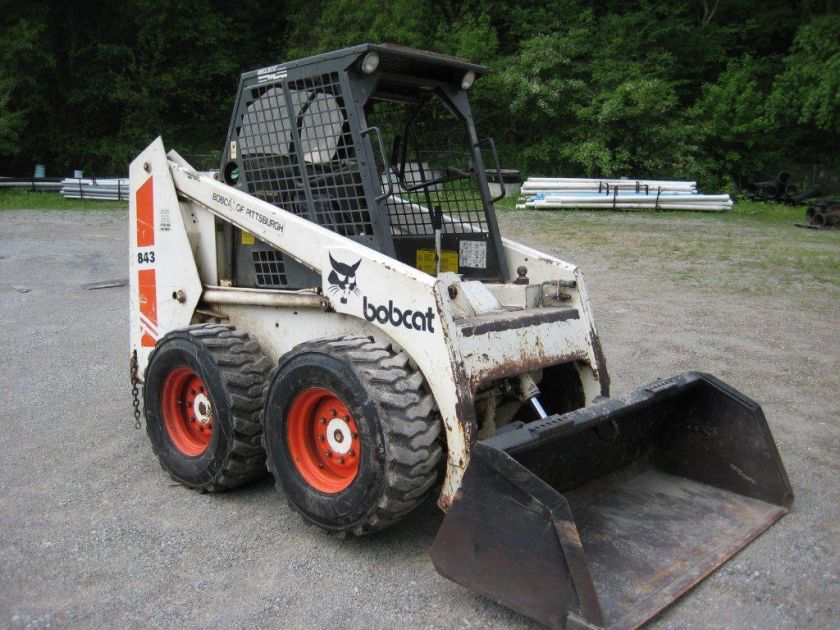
column 342, row 279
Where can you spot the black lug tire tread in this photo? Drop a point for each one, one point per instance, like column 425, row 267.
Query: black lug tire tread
column 411, row 432
column 244, row 370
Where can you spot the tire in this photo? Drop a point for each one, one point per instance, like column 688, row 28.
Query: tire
column 203, row 394
column 363, row 402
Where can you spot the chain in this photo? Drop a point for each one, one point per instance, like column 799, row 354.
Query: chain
column 135, row 391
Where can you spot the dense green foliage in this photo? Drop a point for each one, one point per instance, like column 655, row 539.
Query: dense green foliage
column 709, row 90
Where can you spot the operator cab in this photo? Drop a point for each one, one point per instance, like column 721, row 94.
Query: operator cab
column 374, row 142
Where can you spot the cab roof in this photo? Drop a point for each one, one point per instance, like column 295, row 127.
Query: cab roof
column 393, row 60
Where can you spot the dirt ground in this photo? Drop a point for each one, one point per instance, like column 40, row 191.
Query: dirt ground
column 93, row 534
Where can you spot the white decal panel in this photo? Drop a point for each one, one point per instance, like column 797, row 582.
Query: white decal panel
column 472, row 254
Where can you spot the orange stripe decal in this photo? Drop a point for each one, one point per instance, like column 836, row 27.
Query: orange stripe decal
column 145, row 215
column 148, row 306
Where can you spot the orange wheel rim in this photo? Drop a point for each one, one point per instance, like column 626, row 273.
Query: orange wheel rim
column 187, row 411
column 323, row 440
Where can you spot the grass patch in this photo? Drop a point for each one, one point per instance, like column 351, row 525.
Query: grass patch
column 754, row 249
column 17, row 199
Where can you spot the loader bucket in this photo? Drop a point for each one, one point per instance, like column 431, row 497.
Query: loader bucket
column 603, row 516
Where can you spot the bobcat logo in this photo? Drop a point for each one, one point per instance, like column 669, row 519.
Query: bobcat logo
column 342, row 279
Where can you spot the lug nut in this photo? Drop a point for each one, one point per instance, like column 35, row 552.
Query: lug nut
column 340, row 460
column 351, row 453
column 320, row 465
column 354, row 435
column 323, row 420
column 321, row 438
column 328, row 453
column 333, row 412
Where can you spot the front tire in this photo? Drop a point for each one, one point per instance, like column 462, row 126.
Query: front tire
column 203, row 393
column 351, row 434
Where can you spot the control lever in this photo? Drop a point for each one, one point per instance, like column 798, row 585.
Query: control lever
column 437, row 224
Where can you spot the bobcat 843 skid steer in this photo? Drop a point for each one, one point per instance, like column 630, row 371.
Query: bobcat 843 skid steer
column 337, row 304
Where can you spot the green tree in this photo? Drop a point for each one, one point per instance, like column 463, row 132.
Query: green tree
column 697, row 89
column 21, row 57
column 317, row 27
column 807, row 92
column 546, row 86
column 731, row 121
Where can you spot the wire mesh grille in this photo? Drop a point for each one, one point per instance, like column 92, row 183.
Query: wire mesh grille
column 297, row 152
column 433, row 165
column 269, row 268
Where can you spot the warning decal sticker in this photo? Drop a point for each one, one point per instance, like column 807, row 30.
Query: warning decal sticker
column 473, row 254
column 426, row 261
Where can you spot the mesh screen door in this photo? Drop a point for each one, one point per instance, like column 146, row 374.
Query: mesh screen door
column 297, row 152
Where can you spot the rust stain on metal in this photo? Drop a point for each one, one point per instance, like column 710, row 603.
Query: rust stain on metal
column 529, row 359
column 496, row 323
column 464, row 408
column 600, row 364
column 465, row 413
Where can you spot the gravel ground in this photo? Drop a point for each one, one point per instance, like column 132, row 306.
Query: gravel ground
column 93, row 534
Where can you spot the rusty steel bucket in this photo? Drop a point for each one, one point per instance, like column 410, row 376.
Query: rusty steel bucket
column 603, row 516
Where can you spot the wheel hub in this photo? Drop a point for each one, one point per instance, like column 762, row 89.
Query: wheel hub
column 187, row 411
column 323, row 440
column 201, row 408
column 339, row 435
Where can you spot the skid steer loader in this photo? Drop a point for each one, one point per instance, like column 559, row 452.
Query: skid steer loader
column 337, row 303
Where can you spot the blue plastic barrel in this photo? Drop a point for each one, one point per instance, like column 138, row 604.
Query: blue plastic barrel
column 40, row 170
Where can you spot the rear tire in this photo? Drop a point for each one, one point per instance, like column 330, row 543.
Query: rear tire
column 357, row 399
column 203, row 393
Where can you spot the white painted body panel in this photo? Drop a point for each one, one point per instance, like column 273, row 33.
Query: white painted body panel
column 165, row 286
column 389, row 300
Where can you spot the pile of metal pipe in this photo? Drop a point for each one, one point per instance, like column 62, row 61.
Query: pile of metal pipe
column 808, row 193
column 110, row 189
column 39, row 184
column 542, row 184
column 623, row 194
column 826, row 219
column 823, row 214
column 781, row 188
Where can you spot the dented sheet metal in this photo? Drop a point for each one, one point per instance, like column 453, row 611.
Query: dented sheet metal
column 505, row 344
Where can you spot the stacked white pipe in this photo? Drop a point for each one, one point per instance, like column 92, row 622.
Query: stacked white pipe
column 625, row 194
column 110, row 189
column 39, row 184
